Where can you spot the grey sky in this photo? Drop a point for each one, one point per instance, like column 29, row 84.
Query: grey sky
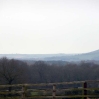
column 49, row 26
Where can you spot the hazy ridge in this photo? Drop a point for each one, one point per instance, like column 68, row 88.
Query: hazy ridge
column 94, row 55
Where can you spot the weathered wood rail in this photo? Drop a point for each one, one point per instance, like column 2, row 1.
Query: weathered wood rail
column 62, row 90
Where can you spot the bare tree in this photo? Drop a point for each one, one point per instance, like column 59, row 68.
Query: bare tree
column 11, row 70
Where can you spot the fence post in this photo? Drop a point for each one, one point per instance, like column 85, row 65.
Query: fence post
column 23, row 91
column 54, row 91
column 85, row 91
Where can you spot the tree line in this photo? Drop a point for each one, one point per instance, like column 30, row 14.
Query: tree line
column 14, row 71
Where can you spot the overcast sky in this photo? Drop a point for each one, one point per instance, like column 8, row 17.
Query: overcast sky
column 49, row 26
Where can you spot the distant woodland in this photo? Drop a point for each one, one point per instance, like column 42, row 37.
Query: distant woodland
column 17, row 72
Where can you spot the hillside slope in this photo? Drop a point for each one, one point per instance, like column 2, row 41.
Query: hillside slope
column 94, row 55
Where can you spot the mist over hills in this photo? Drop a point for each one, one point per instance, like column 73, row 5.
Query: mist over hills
column 94, row 55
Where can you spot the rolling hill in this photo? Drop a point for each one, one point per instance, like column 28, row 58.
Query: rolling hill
column 94, row 55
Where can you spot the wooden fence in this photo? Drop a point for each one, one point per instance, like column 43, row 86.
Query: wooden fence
column 62, row 90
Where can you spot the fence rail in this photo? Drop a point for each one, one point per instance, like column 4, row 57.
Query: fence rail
column 61, row 90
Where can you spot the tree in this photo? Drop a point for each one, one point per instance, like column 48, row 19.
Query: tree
column 11, row 70
column 40, row 72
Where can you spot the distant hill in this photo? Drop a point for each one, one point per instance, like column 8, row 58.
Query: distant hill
column 94, row 55
column 32, row 56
